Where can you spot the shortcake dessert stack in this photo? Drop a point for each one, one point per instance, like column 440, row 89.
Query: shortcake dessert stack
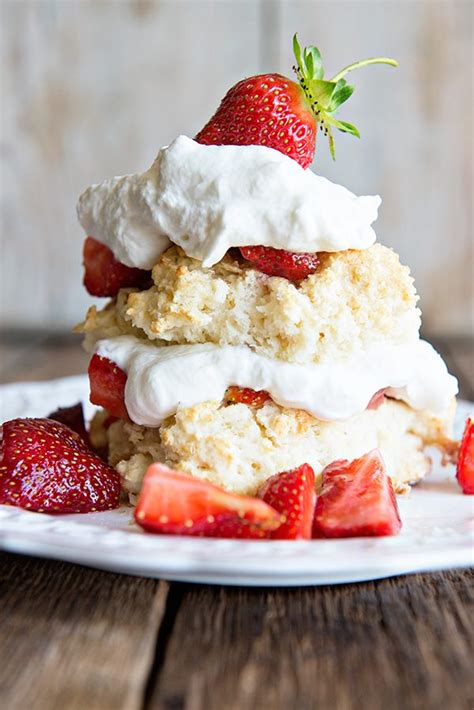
column 255, row 324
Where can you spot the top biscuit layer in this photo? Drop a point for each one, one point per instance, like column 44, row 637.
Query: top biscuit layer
column 356, row 299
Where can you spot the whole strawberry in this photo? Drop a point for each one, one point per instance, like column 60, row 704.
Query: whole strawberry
column 47, row 467
column 272, row 110
column 267, row 109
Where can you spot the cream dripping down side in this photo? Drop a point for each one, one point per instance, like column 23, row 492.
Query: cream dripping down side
column 207, row 199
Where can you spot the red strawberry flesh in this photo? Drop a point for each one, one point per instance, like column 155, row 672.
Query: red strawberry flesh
column 46, row 467
column 278, row 262
column 378, row 399
column 357, row 499
column 293, row 494
column 175, row 503
column 245, row 395
column 465, row 463
column 104, row 275
column 107, row 386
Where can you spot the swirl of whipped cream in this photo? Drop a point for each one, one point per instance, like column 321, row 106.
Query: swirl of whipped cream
column 161, row 379
column 207, row 199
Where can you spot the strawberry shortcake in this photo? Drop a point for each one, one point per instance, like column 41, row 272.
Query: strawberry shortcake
column 255, row 323
column 259, row 346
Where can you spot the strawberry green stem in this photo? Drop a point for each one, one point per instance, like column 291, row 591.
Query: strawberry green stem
column 364, row 63
column 325, row 96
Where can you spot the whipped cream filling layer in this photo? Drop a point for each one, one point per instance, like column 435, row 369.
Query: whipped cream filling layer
column 161, row 379
column 207, row 199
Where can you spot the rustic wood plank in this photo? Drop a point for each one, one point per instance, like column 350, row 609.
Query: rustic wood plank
column 41, row 357
column 75, row 638
column 405, row 640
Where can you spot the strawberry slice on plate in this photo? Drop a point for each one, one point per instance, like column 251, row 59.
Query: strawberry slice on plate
column 175, row 503
column 104, row 275
column 293, row 494
column 356, row 499
column 245, row 395
column 465, row 463
column 278, row 262
column 107, row 386
column 46, row 467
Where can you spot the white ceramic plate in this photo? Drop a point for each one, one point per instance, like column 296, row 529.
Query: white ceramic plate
column 436, row 534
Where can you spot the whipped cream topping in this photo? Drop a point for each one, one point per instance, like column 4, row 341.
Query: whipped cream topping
column 207, row 199
column 161, row 379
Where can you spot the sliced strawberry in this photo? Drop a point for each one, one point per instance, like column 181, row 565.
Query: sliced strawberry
column 278, row 262
column 245, row 395
column 47, row 467
column 104, row 275
column 465, row 464
column 293, row 494
column 107, row 386
column 357, row 499
column 73, row 417
column 273, row 111
column 175, row 503
column 378, row 399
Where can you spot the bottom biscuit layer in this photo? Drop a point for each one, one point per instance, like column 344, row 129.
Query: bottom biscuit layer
column 238, row 447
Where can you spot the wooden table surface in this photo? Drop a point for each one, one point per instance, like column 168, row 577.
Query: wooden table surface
column 76, row 638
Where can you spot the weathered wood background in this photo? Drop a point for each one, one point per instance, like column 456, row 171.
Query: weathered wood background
column 93, row 88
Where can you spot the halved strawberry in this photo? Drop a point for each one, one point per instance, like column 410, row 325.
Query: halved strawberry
column 465, row 464
column 104, row 275
column 357, row 499
column 278, row 262
column 245, row 395
column 293, row 494
column 46, row 467
column 175, row 503
column 73, row 417
column 107, row 386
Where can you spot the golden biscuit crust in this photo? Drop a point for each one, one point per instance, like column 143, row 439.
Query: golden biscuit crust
column 238, row 447
column 356, row 299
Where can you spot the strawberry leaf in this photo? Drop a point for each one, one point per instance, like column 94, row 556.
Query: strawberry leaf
column 322, row 91
column 342, row 92
column 348, row 128
column 297, row 51
column 313, row 63
column 324, row 96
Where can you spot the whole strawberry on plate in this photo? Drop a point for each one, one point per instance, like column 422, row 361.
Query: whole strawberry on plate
column 47, row 467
